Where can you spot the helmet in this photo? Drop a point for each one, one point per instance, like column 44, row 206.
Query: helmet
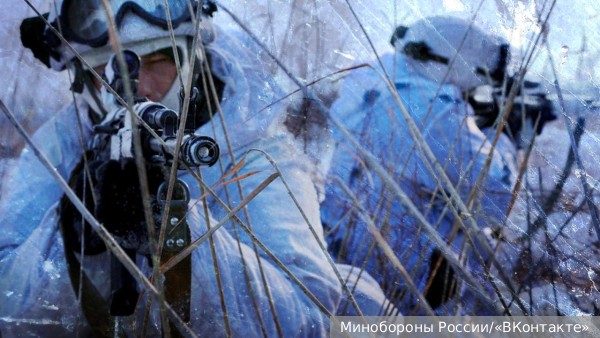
column 142, row 27
column 431, row 43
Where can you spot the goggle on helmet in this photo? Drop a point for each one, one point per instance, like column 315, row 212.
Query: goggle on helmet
column 431, row 43
column 84, row 25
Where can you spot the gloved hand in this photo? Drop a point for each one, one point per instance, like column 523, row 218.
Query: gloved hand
column 119, row 202
column 116, row 202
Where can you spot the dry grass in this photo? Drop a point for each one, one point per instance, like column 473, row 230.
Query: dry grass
column 533, row 249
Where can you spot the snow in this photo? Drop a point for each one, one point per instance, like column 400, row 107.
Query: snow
column 316, row 38
column 574, row 44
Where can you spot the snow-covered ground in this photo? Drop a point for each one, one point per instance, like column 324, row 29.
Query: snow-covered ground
column 556, row 263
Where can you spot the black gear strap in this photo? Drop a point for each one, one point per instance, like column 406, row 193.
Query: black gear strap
column 178, row 279
column 95, row 308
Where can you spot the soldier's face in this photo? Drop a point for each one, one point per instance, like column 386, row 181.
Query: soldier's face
column 157, row 74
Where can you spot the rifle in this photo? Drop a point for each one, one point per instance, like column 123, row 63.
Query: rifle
column 531, row 107
column 116, row 197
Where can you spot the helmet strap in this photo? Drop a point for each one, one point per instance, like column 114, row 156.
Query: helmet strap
column 206, row 105
column 82, row 84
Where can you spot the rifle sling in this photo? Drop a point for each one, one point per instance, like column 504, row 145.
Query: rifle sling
column 177, row 285
column 95, row 308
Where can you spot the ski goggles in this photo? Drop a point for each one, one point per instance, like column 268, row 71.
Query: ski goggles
column 420, row 51
column 85, row 21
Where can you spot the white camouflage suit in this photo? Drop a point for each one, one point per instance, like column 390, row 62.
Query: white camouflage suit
column 36, row 297
column 372, row 115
